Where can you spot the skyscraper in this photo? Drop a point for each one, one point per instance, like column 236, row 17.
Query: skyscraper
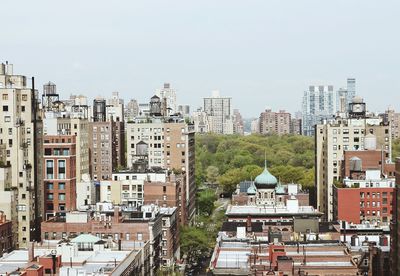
column 319, row 103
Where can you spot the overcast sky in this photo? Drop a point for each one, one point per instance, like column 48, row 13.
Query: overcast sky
column 261, row 53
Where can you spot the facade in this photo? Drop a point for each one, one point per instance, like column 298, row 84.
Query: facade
column 167, row 144
column 21, row 133
column 6, row 234
column 393, row 119
column 168, row 194
column 255, row 126
column 115, row 108
column 295, row 126
column 319, row 103
column 368, row 200
column 238, row 125
column 201, row 121
column 274, row 122
column 219, row 111
column 59, row 178
column 131, row 110
column 170, row 250
column 395, row 229
column 357, row 131
column 101, row 149
column 128, row 227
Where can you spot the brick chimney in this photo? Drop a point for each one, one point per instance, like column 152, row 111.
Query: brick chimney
column 2, row 217
column 248, row 225
column 31, row 251
column 116, row 214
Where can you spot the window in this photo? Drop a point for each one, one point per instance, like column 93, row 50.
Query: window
column 49, row 186
column 61, row 196
column 61, row 186
column 61, row 169
column 24, row 97
column 5, row 107
column 5, row 97
column 7, row 119
column 139, row 236
column 50, row 196
column 49, row 169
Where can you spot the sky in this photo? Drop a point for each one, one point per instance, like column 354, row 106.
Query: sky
column 262, row 53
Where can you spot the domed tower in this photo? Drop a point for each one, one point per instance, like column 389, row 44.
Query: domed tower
column 265, row 184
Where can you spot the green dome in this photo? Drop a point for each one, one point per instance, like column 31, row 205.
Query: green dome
column 252, row 190
column 265, row 178
column 280, row 189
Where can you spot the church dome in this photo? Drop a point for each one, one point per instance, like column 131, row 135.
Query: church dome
column 252, row 190
column 265, row 179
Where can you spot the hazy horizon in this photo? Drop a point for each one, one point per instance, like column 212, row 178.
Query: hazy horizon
column 260, row 53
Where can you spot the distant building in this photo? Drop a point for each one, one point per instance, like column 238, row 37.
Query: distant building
column 319, row 103
column 184, row 110
column 167, row 96
column 219, row 112
column 274, row 122
column 295, row 126
column 238, row 125
column 201, row 121
column 392, row 118
column 255, row 126
column 115, row 108
column 131, row 110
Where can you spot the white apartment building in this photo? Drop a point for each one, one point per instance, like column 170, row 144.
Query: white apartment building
column 219, row 111
column 21, row 138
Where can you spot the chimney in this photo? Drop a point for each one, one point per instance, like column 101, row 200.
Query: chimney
column 31, row 251
column 2, row 217
column 248, row 225
column 116, row 214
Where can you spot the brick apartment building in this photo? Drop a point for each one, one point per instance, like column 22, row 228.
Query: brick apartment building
column 6, row 236
column 368, row 190
column 131, row 227
column 170, row 193
column 59, row 173
column 275, row 122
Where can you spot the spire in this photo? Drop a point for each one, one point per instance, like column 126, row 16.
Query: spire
column 265, row 159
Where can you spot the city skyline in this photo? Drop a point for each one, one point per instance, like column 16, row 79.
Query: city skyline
column 135, row 48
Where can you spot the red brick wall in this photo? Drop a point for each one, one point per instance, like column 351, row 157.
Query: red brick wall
column 348, row 204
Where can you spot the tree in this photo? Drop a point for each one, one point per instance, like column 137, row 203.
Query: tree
column 194, row 243
column 212, row 174
column 205, row 201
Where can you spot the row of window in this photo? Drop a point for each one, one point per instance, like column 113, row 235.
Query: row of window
column 24, row 97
